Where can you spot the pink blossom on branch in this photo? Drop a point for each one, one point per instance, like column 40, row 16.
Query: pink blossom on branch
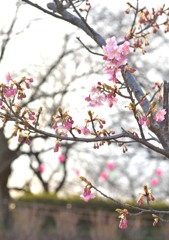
column 123, row 218
column 84, row 130
column 142, row 120
column 99, row 99
column 147, row 194
column 114, row 51
column 115, row 56
column 159, row 116
column 68, row 122
column 123, row 224
column 87, row 195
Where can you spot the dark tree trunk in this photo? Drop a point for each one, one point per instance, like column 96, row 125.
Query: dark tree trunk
column 6, row 158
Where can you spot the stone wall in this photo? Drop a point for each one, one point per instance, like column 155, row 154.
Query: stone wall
column 35, row 221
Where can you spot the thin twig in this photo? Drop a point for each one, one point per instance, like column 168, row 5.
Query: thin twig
column 88, row 48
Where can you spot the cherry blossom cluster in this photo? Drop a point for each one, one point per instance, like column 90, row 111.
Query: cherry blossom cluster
column 13, row 88
column 12, row 94
column 28, row 120
column 115, row 59
column 158, row 117
column 153, row 113
column 101, row 94
column 63, row 124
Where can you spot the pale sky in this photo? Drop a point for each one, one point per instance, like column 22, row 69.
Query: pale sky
column 19, row 50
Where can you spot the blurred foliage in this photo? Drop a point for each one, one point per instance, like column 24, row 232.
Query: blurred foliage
column 76, row 201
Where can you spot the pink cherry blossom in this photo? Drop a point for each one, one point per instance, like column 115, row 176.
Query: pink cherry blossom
column 96, row 99
column 126, row 48
column 159, row 116
column 8, row 92
column 8, row 77
column 142, row 120
column 61, row 130
column 104, row 176
column 61, row 158
column 94, row 90
column 158, row 172
column 84, row 130
column 140, row 202
column 68, row 122
column 154, row 182
column 115, row 57
column 110, row 48
column 123, row 223
column 87, row 195
column 110, row 165
column 111, row 100
column 77, row 172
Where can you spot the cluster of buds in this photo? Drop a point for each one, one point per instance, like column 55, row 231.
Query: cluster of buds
column 94, row 121
column 86, row 8
column 12, row 94
column 63, row 125
column 153, row 113
column 13, row 88
column 66, row 123
column 145, row 19
column 146, row 195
